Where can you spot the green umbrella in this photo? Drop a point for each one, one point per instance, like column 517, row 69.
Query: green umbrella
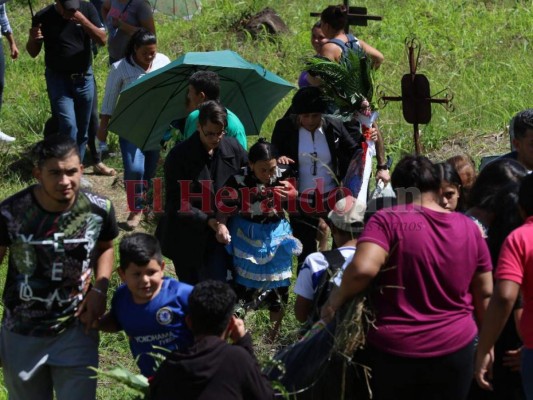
column 178, row 8
column 146, row 107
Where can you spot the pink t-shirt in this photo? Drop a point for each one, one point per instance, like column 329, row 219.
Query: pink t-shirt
column 516, row 264
column 422, row 299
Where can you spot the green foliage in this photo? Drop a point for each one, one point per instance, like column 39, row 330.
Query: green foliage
column 135, row 384
column 481, row 50
column 348, row 82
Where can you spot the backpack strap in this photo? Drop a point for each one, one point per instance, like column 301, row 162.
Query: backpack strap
column 339, row 43
column 352, row 43
column 335, row 261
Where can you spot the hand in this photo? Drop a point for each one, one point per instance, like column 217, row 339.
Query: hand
column 483, row 369
column 236, row 329
column 512, row 359
column 14, row 51
column 36, row 34
column 91, row 309
column 384, row 175
column 222, row 234
column 327, row 313
column 285, row 191
column 77, row 16
column 374, row 134
column 285, row 160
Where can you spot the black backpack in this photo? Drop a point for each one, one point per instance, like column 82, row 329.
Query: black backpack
column 335, row 261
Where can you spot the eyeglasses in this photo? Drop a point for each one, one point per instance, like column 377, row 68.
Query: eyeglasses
column 213, row 134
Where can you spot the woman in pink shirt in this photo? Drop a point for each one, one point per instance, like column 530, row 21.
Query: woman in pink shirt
column 434, row 277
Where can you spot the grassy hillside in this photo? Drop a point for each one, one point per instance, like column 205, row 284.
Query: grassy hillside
column 480, row 50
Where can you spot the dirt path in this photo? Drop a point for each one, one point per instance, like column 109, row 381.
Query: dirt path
column 112, row 187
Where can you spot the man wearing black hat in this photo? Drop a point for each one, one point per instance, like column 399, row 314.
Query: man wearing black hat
column 319, row 148
column 66, row 28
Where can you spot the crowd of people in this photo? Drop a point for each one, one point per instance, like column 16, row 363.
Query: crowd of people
column 445, row 261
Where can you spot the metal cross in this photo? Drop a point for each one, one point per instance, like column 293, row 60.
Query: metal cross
column 356, row 16
column 416, row 98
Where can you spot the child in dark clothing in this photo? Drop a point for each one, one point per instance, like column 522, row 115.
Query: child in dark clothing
column 212, row 368
column 149, row 307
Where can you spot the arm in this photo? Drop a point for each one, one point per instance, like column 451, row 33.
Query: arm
column 14, row 51
column 94, row 304
column 35, row 41
column 365, row 265
column 146, row 21
column 113, row 87
column 331, row 51
column 96, row 33
column 375, row 55
column 103, row 127
column 108, row 323
column 498, row 311
column 302, row 308
column 481, row 289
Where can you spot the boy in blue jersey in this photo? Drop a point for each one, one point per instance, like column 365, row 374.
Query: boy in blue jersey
column 149, row 307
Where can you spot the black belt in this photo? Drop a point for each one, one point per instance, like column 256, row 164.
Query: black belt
column 78, row 75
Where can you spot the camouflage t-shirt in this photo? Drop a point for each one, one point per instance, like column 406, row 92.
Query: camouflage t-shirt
column 50, row 259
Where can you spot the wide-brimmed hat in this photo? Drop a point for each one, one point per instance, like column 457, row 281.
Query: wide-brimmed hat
column 348, row 215
column 309, row 100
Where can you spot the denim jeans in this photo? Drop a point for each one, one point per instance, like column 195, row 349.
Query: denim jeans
column 72, row 101
column 139, row 166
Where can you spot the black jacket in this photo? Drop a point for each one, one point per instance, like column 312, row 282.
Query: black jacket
column 341, row 143
column 183, row 231
column 212, row 369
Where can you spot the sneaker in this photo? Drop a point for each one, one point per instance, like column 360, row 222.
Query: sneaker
column 6, row 138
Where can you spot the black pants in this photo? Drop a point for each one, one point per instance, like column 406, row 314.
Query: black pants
column 437, row 378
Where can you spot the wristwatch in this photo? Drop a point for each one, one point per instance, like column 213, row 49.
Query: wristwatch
column 380, row 167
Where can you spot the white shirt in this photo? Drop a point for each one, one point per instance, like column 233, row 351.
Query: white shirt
column 312, row 168
column 314, row 266
column 121, row 74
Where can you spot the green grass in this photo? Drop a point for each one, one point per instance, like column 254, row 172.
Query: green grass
column 480, row 50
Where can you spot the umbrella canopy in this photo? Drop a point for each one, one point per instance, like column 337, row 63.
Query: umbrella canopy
column 178, row 8
column 146, row 107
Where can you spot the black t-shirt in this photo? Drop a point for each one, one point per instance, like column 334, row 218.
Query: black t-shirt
column 51, row 256
column 67, row 46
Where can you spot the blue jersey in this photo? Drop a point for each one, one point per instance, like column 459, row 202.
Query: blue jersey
column 160, row 322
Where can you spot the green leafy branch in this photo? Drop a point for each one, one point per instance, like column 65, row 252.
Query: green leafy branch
column 348, row 82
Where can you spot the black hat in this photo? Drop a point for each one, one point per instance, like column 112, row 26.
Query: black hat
column 70, row 4
column 308, row 100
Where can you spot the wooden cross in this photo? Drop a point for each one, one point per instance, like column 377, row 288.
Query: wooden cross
column 356, row 16
column 416, row 98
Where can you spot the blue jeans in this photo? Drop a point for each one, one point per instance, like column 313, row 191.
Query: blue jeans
column 71, row 100
column 2, row 72
column 139, row 166
column 527, row 372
